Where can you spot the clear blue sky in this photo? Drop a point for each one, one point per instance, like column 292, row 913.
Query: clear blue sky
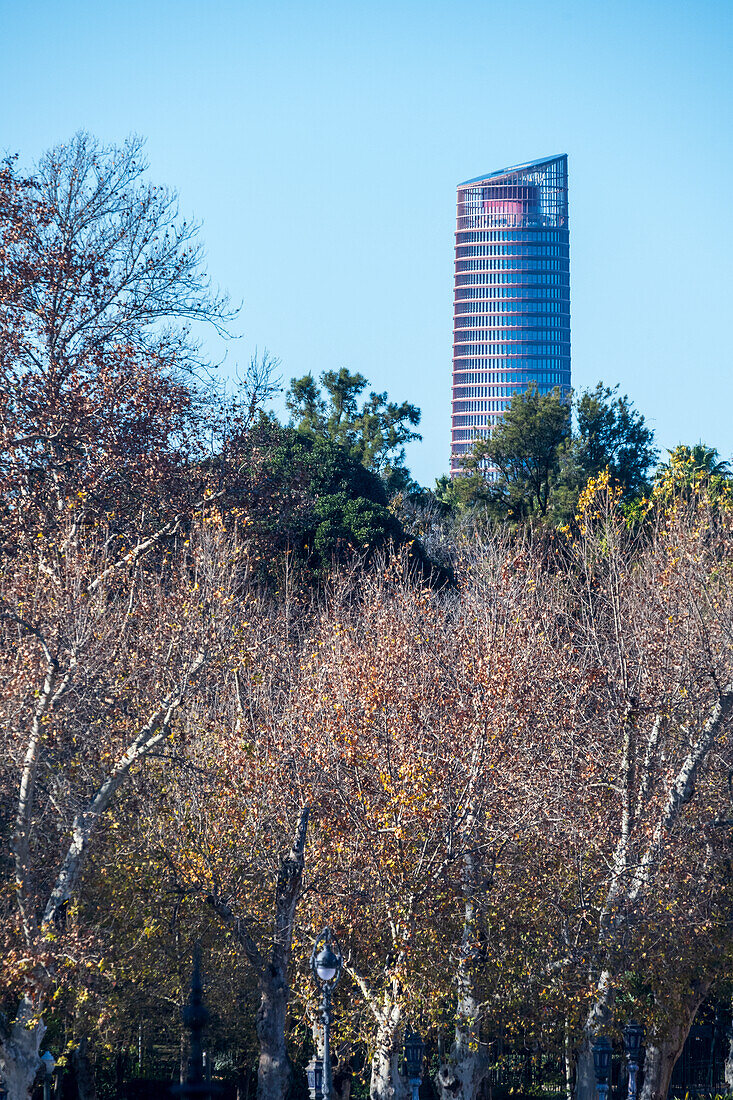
column 321, row 144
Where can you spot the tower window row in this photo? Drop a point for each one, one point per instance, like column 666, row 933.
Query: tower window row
column 506, row 220
column 512, row 349
column 537, row 279
column 514, row 378
column 512, row 250
column 524, row 236
column 475, row 406
column 519, row 293
column 509, row 309
column 486, row 391
column 471, row 434
column 543, row 380
column 512, row 263
column 537, row 363
column 511, row 328
column 550, row 333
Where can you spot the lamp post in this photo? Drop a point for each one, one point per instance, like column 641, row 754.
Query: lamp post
column 326, row 963
column 414, row 1051
column 195, row 1018
column 314, row 1069
column 633, row 1038
column 602, row 1065
column 49, row 1065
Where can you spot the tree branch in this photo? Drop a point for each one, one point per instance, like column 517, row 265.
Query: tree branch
column 155, row 730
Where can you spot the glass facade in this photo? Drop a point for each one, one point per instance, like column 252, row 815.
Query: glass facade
column 512, row 294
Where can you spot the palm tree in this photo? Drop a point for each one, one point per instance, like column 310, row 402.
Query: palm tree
column 699, row 462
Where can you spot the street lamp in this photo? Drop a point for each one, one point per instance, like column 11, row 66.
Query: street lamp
column 414, row 1051
column 633, row 1038
column 602, row 1065
column 49, row 1065
column 326, row 963
column 314, row 1069
column 195, row 1018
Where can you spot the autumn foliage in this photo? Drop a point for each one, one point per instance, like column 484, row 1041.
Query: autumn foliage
column 238, row 704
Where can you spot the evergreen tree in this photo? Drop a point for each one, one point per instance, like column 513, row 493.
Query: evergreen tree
column 613, row 435
column 540, row 465
column 374, row 433
column 524, row 448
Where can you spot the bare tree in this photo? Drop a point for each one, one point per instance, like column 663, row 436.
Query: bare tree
column 99, row 655
column 101, row 282
column 651, row 625
column 271, row 966
column 240, row 822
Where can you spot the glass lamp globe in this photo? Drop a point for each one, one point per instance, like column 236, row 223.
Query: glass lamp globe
column 327, row 964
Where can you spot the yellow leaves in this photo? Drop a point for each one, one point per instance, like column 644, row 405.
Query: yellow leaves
column 599, row 499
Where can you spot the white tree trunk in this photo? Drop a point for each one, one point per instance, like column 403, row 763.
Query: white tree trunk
column 386, row 1082
column 659, row 1061
column 463, row 1072
column 20, row 1052
column 568, row 1063
column 585, row 1078
column 623, row 896
column 729, row 1058
column 460, row 1077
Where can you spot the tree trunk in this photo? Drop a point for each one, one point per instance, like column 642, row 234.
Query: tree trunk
column 182, row 1058
column 121, row 1062
column 463, row 1072
column 20, row 1052
column 343, row 1080
column 585, row 1077
column 597, row 1019
column 662, row 1052
column 659, row 1061
column 568, row 1062
column 387, row 1082
column 461, row 1077
column 728, row 1065
column 273, row 1071
column 84, row 1071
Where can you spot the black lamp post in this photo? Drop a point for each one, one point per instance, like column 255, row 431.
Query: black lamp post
column 602, row 1065
column 414, row 1051
column 195, row 1018
column 326, row 963
column 633, row 1038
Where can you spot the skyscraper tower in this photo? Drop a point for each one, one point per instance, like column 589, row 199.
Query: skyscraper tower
column 512, row 294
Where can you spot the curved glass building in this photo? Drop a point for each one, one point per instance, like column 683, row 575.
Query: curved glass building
column 512, row 293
